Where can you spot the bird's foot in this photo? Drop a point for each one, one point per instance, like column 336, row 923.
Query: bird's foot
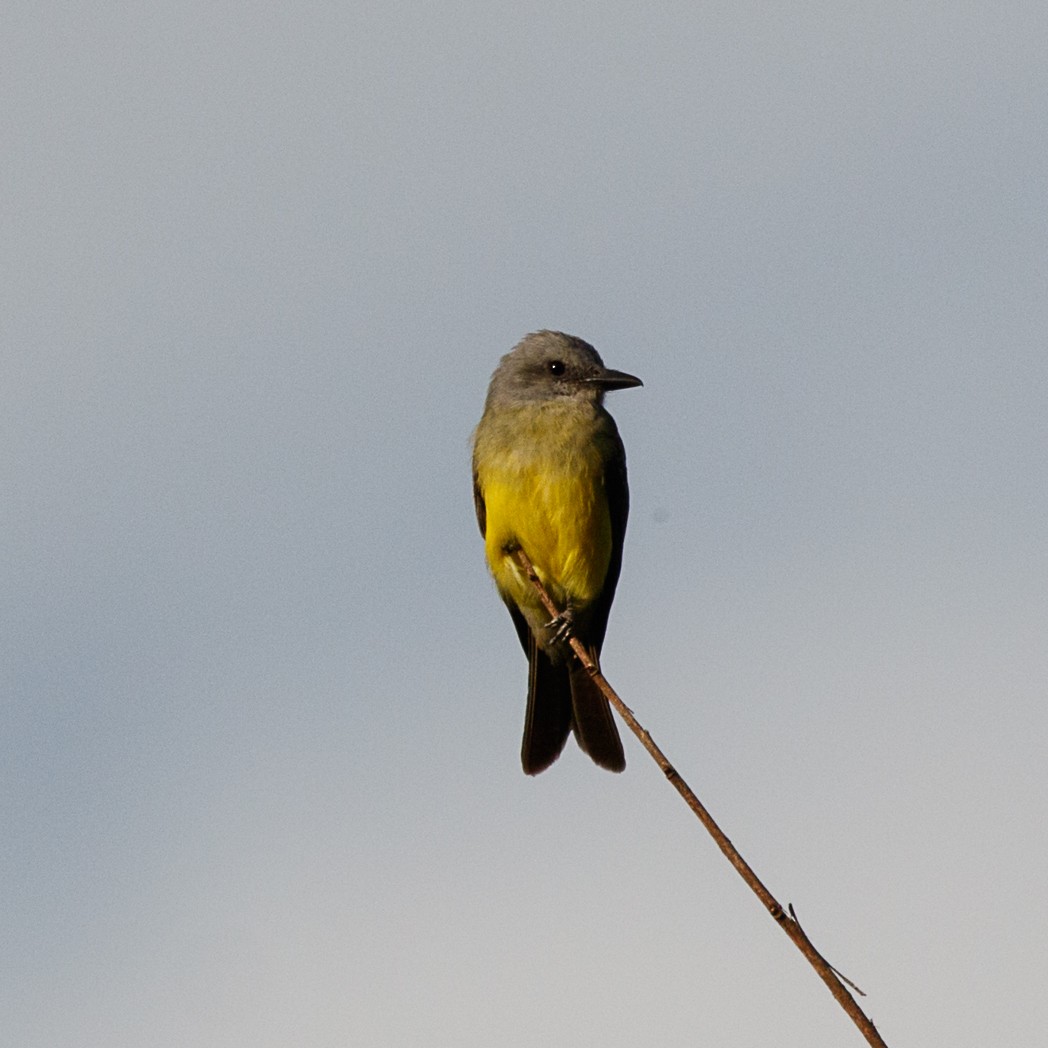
column 561, row 625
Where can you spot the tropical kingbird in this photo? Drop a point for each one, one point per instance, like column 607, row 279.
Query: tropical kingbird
column 549, row 478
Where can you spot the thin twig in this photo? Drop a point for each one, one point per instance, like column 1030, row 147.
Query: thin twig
column 836, row 971
column 788, row 923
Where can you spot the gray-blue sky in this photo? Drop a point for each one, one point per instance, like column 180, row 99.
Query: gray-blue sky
column 261, row 704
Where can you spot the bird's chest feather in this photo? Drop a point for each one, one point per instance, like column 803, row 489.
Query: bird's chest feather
column 546, row 495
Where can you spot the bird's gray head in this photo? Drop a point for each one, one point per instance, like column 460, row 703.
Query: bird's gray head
column 549, row 364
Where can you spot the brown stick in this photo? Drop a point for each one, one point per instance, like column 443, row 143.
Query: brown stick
column 788, row 923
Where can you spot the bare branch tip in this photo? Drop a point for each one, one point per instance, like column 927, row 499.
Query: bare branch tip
column 830, row 975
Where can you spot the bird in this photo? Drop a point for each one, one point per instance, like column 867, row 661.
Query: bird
column 549, row 478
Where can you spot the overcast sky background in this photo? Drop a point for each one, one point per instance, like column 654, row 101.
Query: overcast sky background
column 259, row 752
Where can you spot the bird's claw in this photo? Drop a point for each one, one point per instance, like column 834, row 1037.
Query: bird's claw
column 561, row 625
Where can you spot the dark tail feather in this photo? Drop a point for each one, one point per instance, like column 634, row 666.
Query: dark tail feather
column 594, row 724
column 547, row 723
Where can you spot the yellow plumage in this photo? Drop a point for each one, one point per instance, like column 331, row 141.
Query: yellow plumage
column 544, row 491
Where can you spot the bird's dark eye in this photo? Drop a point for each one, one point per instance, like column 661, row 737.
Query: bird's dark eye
column 556, row 367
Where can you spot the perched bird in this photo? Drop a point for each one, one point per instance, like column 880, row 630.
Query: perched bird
column 549, row 477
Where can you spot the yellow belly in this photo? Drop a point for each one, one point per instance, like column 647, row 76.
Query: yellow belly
column 546, row 495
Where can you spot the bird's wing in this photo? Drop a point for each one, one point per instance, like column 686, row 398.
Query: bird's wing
column 618, row 496
column 478, row 505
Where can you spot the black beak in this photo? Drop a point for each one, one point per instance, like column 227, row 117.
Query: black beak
column 609, row 379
